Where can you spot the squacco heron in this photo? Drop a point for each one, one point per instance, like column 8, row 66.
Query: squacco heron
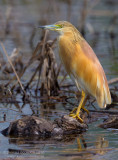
column 82, row 65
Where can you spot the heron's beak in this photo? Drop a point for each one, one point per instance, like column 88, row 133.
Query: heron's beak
column 50, row 27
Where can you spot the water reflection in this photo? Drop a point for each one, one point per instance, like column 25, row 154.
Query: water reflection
column 62, row 147
column 81, row 142
column 101, row 145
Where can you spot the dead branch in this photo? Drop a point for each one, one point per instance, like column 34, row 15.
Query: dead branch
column 5, row 52
column 114, row 80
column 104, row 111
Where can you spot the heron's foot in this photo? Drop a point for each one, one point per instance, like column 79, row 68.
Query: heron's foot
column 85, row 110
column 75, row 109
column 76, row 116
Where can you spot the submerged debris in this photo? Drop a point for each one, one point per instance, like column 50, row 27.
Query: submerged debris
column 31, row 125
column 110, row 122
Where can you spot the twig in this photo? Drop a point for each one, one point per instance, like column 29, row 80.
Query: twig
column 58, row 71
column 36, row 70
column 44, row 42
column 114, row 80
column 42, row 54
column 36, row 50
column 13, row 68
column 63, row 79
column 104, row 111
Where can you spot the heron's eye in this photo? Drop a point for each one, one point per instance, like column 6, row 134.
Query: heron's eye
column 60, row 26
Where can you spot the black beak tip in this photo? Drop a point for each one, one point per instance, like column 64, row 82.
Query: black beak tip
column 41, row 27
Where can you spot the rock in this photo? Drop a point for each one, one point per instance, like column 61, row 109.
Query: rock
column 31, row 125
column 110, row 122
column 70, row 125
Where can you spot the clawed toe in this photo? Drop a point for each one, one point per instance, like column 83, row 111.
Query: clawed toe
column 76, row 116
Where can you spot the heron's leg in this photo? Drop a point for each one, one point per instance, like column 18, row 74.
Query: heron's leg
column 81, row 107
column 76, row 115
column 81, row 103
column 84, row 107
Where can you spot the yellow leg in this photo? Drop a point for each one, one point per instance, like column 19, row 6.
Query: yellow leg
column 79, row 107
column 84, row 107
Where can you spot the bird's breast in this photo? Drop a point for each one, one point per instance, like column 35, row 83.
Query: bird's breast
column 67, row 52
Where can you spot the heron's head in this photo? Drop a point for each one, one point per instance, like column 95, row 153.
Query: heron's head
column 60, row 26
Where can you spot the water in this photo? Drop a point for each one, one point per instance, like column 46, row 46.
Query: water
column 23, row 16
